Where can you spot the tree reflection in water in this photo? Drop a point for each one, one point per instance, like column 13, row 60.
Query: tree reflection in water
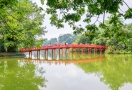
column 116, row 71
column 20, row 76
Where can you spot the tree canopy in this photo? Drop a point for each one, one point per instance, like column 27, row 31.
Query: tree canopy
column 71, row 12
column 61, row 12
column 21, row 25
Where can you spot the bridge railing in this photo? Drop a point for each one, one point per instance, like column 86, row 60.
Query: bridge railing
column 24, row 50
column 60, row 46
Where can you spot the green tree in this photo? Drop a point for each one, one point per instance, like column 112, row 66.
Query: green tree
column 116, row 35
column 83, row 39
column 21, row 25
column 71, row 12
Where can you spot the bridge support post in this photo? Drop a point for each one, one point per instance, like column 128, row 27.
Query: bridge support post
column 46, row 54
column 89, row 50
column 75, row 53
column 59, row 54
column 66, row 53
column 62, row 54
column 72, row 52
column 100, row 51
column 30, row 54
column 38, row 54
column 95, row 50
column 84, row 51
column 78, row 53
column 52, row 53
column 69, row 53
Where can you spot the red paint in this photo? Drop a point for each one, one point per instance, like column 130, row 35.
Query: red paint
column 65, row 46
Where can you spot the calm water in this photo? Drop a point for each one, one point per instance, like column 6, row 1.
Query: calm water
column 93, row 72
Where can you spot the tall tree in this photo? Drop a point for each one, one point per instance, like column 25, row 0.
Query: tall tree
column 21, row 25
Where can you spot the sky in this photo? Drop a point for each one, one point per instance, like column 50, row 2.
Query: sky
column 53, row 32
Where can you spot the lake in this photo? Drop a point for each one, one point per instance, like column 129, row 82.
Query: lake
column 80, row 72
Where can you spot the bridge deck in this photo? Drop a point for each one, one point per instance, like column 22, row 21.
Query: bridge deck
column 59, row 46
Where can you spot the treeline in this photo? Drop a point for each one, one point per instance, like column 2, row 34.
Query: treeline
column 66, row 38
column 117, row 38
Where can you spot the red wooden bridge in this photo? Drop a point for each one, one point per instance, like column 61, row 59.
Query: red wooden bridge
column 70, row 47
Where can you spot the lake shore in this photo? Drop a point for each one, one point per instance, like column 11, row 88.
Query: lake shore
column 12, row 54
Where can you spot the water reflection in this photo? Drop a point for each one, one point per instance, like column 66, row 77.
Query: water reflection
column 20, row 76
column 95, row 72
column 55, row 55
column 115, row 72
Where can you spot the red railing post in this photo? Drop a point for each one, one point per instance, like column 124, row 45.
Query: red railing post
column 68, row 53
column 59, row 53
column 54, row 54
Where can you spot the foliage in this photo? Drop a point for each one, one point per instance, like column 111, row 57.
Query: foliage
column 51, row 41
column 71, row 12
column 7, row 3
column 116, row 35
column 82, row 39
column 21, row 25
column 66, row 38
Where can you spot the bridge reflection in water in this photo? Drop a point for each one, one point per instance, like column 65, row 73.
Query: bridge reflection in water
column 58, row 62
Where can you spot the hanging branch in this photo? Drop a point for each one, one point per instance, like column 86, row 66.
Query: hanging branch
column 127, row 5
column 122, row 10
column 96, row 19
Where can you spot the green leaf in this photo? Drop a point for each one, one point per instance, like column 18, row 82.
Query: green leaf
column 128, row 14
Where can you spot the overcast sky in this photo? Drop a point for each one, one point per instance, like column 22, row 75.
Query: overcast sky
column 54, row 32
